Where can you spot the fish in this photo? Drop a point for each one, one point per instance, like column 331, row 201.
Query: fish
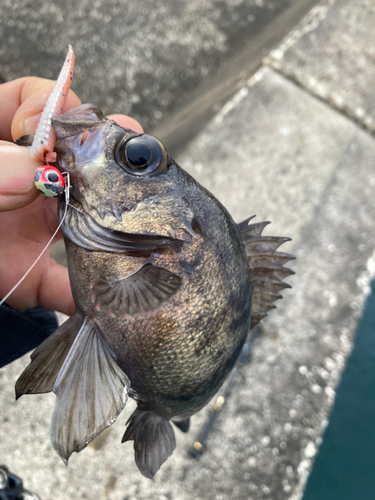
column 166, row 288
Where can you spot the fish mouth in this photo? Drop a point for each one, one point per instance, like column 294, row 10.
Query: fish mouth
column 77, row 120
column 101, row 212
column 79, row 137
column 109, row 212
column 88, row 147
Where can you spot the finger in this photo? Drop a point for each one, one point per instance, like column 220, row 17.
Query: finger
column 10, row 98
column 33, row 97
column 127, row 122
column 17, row 169
column 55, row 292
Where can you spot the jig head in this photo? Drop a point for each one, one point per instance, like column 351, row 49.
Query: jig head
column 49, row 181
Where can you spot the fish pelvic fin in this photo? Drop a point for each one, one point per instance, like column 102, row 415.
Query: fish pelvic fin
column 91, row 392
column 154, row 440
column 47, row 359
column 266, row 267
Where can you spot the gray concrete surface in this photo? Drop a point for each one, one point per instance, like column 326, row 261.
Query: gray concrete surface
column 141, row 58
column 276, row 150
column 332, row 54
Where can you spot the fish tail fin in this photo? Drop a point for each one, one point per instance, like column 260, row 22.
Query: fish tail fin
column 47, row 359
column 266, row 266
column 154, row 440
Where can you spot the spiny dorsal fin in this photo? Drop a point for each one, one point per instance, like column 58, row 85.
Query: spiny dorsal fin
column 266, row 267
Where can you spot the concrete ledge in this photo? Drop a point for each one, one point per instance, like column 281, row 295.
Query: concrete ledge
column 141, row 57
column 331, row 53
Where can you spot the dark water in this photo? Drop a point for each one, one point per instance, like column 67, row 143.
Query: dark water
column 345, row 466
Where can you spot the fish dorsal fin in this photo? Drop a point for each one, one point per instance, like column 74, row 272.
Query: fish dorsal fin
column 183, row 425
column 47, row 359
column 80, row 228
column 143, row 291
column 91, row 391
column 266, row 267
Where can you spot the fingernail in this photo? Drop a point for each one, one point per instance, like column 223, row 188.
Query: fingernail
column 16, row 170
column 31, row 123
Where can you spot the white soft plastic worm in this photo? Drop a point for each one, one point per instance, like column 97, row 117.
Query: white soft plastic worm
column 45, row 136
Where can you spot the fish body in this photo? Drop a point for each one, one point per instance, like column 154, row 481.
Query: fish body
column 166, row 287
column 177, row 355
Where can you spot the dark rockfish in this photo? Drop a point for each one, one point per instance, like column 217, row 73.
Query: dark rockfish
column 166, row 287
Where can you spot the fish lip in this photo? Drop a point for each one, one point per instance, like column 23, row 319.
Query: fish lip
column 75, row 204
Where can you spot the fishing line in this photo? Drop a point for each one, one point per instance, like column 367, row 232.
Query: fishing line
column 67, row 204
column 75, row 208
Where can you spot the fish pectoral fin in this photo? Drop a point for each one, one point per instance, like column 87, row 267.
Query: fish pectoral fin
column 91, row 391
column 143, row 291
column 154, row 440
column 266, row 267
column 47, row 359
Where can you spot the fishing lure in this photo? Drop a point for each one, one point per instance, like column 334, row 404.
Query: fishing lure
column 49, row 181
column 45, row 137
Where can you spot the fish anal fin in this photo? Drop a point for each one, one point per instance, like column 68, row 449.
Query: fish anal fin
column 154, row 440
column 143, row 291
column 47, row 359
column 266, row 267
column 91, row 391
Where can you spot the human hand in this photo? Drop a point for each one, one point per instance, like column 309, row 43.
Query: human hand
column 27, row 218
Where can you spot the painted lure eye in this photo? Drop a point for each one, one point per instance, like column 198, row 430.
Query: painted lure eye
column 49, row 181
column 142, row 155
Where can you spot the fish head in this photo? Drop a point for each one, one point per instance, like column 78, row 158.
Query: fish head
column 124, row 180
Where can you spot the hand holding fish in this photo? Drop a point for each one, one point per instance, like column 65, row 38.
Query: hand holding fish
column 27, row 220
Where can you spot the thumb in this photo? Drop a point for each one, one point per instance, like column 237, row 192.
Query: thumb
column 17, row 169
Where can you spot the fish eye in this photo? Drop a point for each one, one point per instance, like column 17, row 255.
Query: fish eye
column 142, row 155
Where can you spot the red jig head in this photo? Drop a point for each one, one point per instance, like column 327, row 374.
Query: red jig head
column 49, row 181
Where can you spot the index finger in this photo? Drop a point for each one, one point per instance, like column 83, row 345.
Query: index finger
column 10, row 101
column 34, row 95
column 15, row 100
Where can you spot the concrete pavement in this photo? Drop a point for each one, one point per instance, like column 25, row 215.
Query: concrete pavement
column 292, row 153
